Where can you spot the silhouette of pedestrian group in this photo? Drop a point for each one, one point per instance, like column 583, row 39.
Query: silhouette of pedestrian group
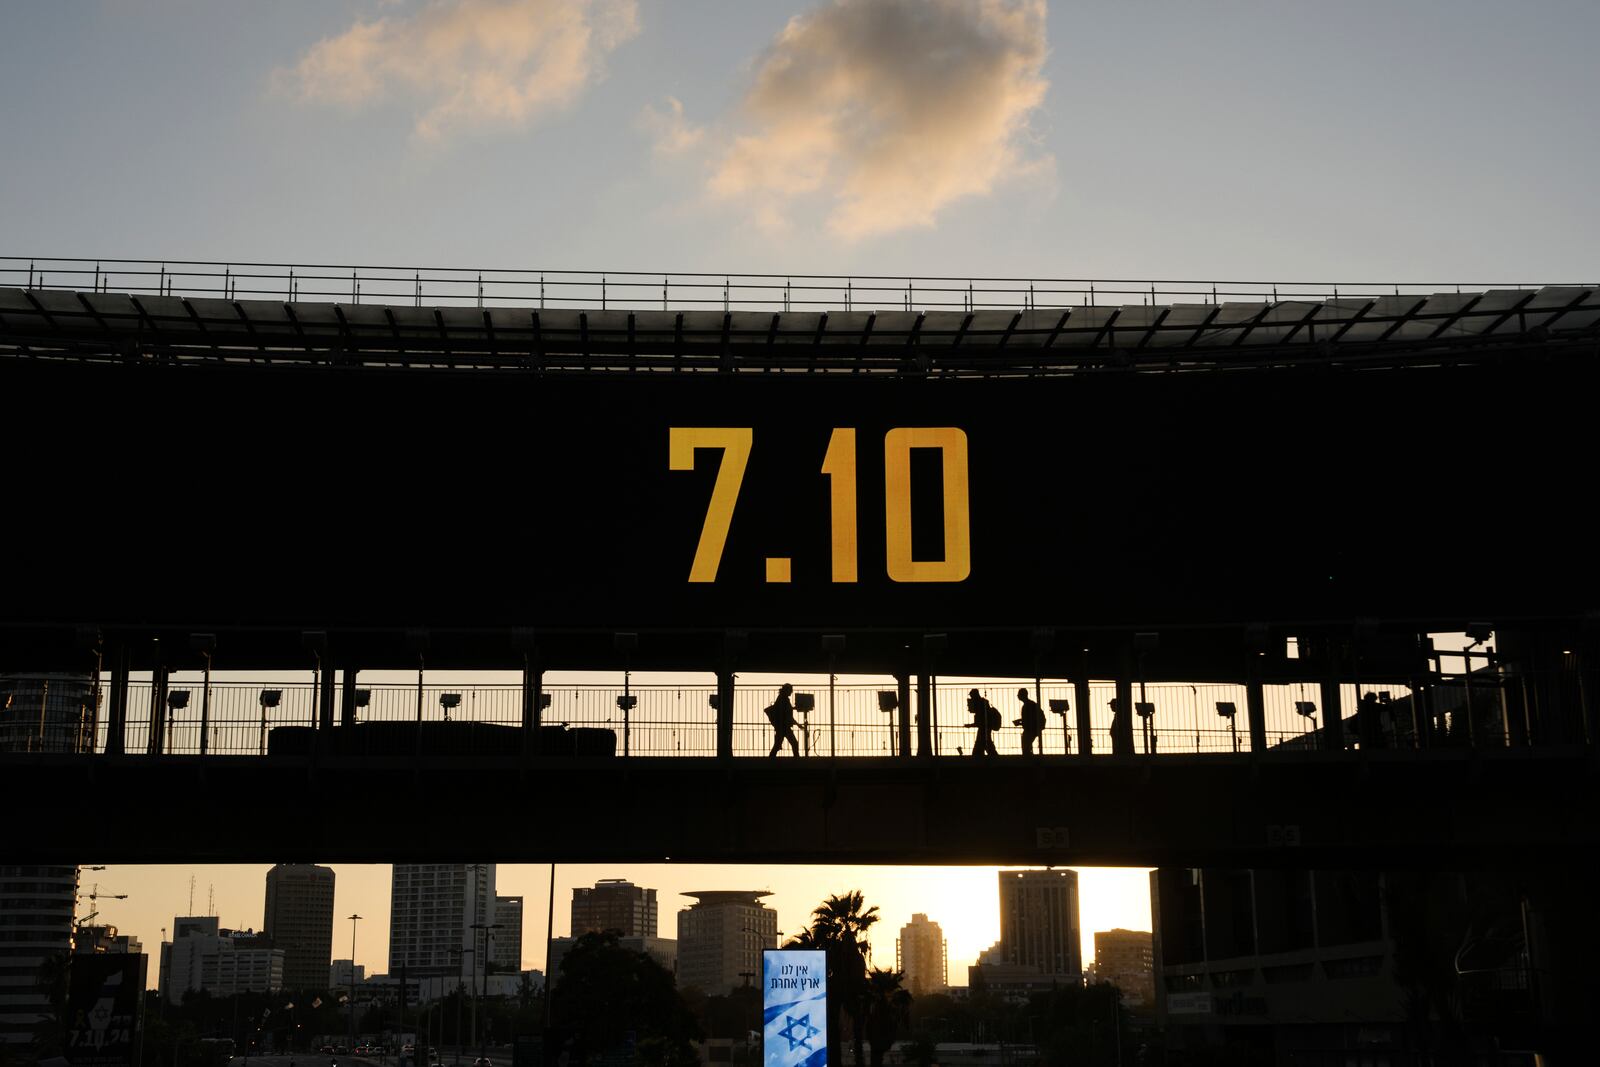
column 986, row 720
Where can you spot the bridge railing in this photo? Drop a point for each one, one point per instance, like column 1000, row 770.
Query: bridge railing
column 255, row 718
column 635, row 290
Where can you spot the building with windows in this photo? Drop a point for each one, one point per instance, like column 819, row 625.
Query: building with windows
column 299, row 920
column 920, row 954
column 93, row 940
column 1039, row 922
column 614, row 904
column 505, row 951
column 1126, row 959
column 36, row 911
column 721, row 937
column 47, row 712
column 433, row 911
column 206, row 957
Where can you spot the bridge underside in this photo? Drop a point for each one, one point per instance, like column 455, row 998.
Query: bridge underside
column 1438, row 810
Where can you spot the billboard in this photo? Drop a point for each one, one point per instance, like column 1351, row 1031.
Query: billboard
column 103, row 1009
column 769, row 502
column 794, row 1008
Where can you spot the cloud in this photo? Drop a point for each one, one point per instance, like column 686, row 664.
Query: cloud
column 888, row 111
column 670, row 132
column 468, row 63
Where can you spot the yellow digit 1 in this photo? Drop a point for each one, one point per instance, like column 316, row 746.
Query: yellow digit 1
column 735, row 444
column 951, row 441
column 840, row 467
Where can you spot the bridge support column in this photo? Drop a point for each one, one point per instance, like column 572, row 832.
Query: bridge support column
column 117, row 720
column 903, row 695
column 155, row 743
column 1256, row 709
column 925, row 711
column 1081, row 698
column 347, row 696
column 532, row 705
column 1122, row 719
column 1332, row 715
column 325, row 694
column 725, row 714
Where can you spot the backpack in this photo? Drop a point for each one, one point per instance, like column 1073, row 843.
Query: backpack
column 992, row 714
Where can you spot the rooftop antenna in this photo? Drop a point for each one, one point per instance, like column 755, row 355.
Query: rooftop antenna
column 211, row 899
column 191, row 894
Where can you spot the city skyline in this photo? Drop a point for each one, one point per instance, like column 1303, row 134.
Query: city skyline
column 1110, row 897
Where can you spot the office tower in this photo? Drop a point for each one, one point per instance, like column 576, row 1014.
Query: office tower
column 299, row 920
column 614, row 904
column 720, row 938
column 919, row 952
column 36, row 909
column 47, row 712
column 506, row 949
column 433, row 908
column 1125, row 959
column 205, row 957
column 1039, row 922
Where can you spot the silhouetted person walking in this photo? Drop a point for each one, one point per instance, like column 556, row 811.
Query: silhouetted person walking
column 986, row 717
column 1032, row 723
column 781, row 714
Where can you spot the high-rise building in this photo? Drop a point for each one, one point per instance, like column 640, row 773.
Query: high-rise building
column 205, row 957
column 36, row 909
column 1126, row 959
column 614, row 904
column 506, row 949
column 299, row 920
column 1039, row 922
column 720, row 939
column 919, row 952
column 433, row 908
column 47, row 712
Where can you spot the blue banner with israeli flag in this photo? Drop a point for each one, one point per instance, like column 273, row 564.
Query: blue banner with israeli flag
column 794, row 1003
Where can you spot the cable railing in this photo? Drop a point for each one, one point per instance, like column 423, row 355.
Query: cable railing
column 672, row 290
column 237, row 718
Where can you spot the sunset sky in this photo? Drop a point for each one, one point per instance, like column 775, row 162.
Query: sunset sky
column 1431, row 141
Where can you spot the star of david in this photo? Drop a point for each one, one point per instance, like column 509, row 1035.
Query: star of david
column 803, row 1027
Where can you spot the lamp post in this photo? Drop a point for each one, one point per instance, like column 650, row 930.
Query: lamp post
column 480, row 963
column 353, row 920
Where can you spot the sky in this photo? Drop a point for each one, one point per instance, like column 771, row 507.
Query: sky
column 1425, row 141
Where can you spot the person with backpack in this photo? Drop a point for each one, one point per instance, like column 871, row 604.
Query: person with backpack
column 781, row 714
column 986, row 717
column 1032, row 723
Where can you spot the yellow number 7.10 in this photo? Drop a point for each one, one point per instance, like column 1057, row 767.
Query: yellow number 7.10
column 735, row 444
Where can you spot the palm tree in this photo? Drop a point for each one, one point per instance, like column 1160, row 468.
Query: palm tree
column 888, row 1006
column 838, row 927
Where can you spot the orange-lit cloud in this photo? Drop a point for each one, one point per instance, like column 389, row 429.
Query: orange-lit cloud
column 888, row 111
column 668, row 129
column 468, row 63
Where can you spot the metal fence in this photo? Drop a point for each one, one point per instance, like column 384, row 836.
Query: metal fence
column 849, row 721
column 646, row 290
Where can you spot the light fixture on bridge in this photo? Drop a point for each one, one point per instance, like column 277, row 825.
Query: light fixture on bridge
column 805, row 702
column 544, row 701
column 1227, row 709
column 715, row 701
column 628, row 702
column 888, row 700
column 1479, row 632
column 448, row 701
column 271, row 698
column 363, row 697
column 177, row 699
column 1144, row 708
column 1060, row 705
column 1306, row 708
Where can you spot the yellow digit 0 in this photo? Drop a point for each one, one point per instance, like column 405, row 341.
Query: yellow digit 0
column 951, row 441
column 682, row 441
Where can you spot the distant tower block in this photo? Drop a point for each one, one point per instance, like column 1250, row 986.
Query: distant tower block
column 778, row 568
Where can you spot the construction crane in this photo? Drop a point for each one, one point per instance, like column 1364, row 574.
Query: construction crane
column 94, row 896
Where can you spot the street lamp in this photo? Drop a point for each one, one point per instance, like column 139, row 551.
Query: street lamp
column 353, row 920
column 480, row 963
column 269, row 699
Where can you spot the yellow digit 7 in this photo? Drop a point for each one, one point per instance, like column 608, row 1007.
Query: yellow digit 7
column 735, row 444
column 951, row 441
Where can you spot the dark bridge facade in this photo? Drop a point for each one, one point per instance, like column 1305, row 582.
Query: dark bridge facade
column 1122, row 498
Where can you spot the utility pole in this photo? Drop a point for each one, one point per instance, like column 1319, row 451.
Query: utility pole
column 353, row 920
